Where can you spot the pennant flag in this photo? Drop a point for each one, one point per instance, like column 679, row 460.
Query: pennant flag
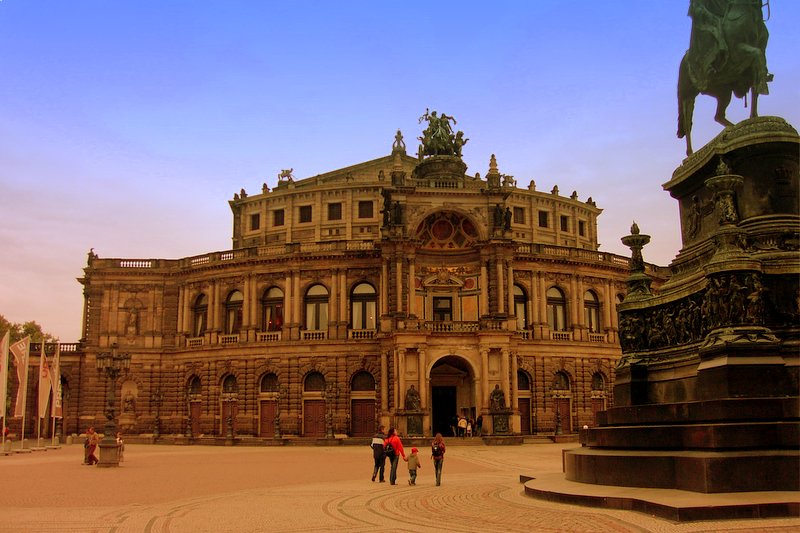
column 4, row 372
column 21, row 350
column 44, row 384
column 55, row 375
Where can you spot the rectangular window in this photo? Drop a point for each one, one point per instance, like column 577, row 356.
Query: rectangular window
column 335, row 211
column 277, row 217
column 582, row 228
column 442, row 308
column 255, row 221
column 542, row 219
column 564, row 223
column 305, row 213
column 519, row 215
column 365, row 210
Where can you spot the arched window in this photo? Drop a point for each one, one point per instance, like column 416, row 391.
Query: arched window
column 316, row 308
column 561, row 381
column 363, row 304
column 521, row 307
column 269, row 383
column 556, row 309
column 200, row 311
column 314, row 382
column 523, row 381
column 233, row 313
column 230, row 385
column 598, row 382
column 591, row 311
column 194, row 386
column 272, row 310
column 363, row 381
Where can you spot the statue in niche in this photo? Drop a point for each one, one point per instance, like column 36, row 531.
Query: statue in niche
column 129, row 404
column 413, row 401
column 498, row 216
column 132, row 322
column 497, row 399
column 507, row 219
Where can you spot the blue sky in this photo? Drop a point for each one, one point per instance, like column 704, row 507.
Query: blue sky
column 126, row 126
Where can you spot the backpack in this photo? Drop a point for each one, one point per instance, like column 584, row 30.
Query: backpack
column 435, row 451
column 389, row 449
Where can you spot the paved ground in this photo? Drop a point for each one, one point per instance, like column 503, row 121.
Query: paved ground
column 299, row 489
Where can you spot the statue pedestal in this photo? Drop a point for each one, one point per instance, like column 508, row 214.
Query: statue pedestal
column 500, row 425
column 706, row 395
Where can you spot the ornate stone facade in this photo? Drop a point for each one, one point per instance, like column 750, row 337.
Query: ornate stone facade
column 344, row 290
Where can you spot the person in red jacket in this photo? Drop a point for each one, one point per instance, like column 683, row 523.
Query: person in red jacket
column 394, row 450
column 437, row 454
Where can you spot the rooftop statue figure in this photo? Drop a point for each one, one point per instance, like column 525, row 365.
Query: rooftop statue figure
column 438, row 138
column 726, row 56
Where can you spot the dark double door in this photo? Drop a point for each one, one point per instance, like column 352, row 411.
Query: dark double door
column 444, row 409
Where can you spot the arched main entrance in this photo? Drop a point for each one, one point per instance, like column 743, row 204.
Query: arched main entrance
column 452, row 393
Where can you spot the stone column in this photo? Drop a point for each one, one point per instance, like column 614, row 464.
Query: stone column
column 411, row 286
column 514, row 383
column 504, row 367
column 510, row 283
column 384, row 381
column 343, row 314
column 181, row 309
column 247, row 308
column 424, row 379
column 401, row 377
column 501, row 304
column 484, row 405
column 384, row 310
column 399, row 282
column 288, row 299
column 333, row 304
column 484, row 295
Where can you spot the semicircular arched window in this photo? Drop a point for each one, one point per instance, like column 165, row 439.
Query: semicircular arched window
column 591, row 310
column 233, row 312
column 363, row 306
column 200, row 312
column 314, row 382
column 316, row 302
column 230, row 385
column 272, row 310
column 363, row 381
column 521, row 307
column 556, row 309
column 269, row 383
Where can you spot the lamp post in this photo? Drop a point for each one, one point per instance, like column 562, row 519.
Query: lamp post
column 111, row 364
column 331, row 394
column 157, row 399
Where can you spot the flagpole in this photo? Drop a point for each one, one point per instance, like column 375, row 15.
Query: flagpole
column 25, row 397
column 4, row 360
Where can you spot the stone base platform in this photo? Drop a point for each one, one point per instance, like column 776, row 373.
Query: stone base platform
column 670, row 504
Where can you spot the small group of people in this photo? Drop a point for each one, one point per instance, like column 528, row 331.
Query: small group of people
column 462, row 426
column 389, row 446
column 90, row 447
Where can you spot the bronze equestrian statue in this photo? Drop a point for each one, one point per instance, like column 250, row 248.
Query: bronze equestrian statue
column 726, row 55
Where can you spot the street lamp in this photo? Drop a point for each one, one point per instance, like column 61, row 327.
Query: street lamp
column 331, row 394
column 112, row 364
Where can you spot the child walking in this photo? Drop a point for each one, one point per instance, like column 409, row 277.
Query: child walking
column 413, row 464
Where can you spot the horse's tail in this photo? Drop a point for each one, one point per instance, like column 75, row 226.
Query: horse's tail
column 686, row 96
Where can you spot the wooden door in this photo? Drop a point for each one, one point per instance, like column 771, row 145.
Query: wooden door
column 229, row 409
column 525, row 416
column 195, row 417
column 598, row 404
column 314, row 418
column 363, row 418
column 267, row 425
column 562, row 408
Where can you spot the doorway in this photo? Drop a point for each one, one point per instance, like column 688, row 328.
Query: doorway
column 444, row 409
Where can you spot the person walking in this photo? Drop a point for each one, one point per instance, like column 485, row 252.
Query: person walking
column 413, row 464
column 92, row 439
column 378, row 454
column 462, row 426
column 394, row 450
column 437, row 454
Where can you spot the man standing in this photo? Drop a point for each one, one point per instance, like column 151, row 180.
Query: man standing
column 378, row 454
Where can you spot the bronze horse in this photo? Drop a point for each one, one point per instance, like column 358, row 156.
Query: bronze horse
column 726, row 57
